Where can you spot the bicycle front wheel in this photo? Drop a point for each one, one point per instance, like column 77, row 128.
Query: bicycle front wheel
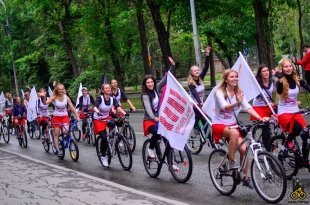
column 287, row 158
column 107, row 154
column 5, row 133
column 152, row 165
column 124, row 153
column 130, row 135
column 45, row 142
column 221, row 177
column 194, row 142
column 180, row 164
column 73, row 150
column 268, row 177
column 24, row 139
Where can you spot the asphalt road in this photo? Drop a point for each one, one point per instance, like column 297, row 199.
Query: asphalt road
column 198, row 190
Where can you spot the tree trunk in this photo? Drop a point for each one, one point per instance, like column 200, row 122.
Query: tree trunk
column 212, row 68
column 269, row 34
column 162, row 34
column 113, row 49
column 68, row 49
column 146, row 56
column 300, row 28
column 260, row 15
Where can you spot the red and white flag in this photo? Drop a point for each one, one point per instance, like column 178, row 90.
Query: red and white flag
column 176, row 114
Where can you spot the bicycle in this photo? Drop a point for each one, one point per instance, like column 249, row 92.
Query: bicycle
column 4, row 132
column 34, row 129
column 8, row 121
column 128, row 131
column 291, row 158
column 21, row 132
column 200, row 135
column 67, row 142
column 117, row 144
column 267, row 173
column 180, row 163
column 48, row 138
column 89, row 134
column 74, row 129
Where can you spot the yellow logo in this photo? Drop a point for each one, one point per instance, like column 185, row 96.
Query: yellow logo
column 298, row 192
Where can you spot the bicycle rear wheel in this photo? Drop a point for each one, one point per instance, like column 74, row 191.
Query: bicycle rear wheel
column 194, row 142
column 269, row 181
column 124, row 153
column 152, row 165
column 286, row 157
column 180, row 164
column 24, row 139
column 5, row 133
column 73, row 150
column 130, row 135
column 77, row 134
column 221, row 177
column 98, row 151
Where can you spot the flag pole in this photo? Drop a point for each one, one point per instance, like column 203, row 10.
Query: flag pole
column 190, row 98
column 259, row 87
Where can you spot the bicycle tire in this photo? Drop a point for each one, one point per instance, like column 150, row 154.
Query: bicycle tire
column 130, row 135
column 73, row 150
column 150, row 162
column 287, row 159
column 5, row 133
column 51, row 139
column 45, row 143
column 194, row 143
column 218, row 171
column 271, row 179
column 24, row 140
column 77, row 134
column 257, row 135
column 123, row 150
column 99, row 154
column 37, row 131
column 180, row 162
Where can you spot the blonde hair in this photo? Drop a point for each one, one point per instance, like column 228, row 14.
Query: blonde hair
column 223, row 83
column 284, row 80
column 55, row 91
column 190, row 79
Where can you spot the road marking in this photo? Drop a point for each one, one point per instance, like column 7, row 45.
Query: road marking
column 110, row 183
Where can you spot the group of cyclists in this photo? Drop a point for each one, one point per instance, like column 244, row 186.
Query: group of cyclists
column 282, row 82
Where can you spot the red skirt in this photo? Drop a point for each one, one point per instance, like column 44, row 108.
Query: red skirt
column 19, row 121
column 146, row 125
column 217, row 131
column 59, row 121
column 82, row 115
column 263, row 111
column 8, row 112
column 286, row 121
column 41, row 119
column 99, row 126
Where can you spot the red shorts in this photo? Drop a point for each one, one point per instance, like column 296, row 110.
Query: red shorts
column 146, row 125
column 217, row 131
column 41, row 119
column 8, row 112
column 286, row 121
column 100, row 125
column 59, row 121
column 82, row 115
column 263, row 111
column 19, row 121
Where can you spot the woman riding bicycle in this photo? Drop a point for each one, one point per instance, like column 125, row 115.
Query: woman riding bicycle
column 86, row 103
column 42, row 109
column 105, row 104
column 266, row 82
column 229, row 101
column 60, row 116
column 19, row 112
column 119, row 94
column 288, row 89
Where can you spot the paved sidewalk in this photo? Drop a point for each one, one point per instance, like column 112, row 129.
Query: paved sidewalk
column 24, row 180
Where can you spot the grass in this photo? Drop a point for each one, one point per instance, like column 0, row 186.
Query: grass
column 303, row 97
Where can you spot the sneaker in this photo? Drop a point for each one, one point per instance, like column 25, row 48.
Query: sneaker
column 59, row 153
column 248, row 182
column 104, row 161
column 175, row 168
column 84, row 137
column 151, row 153
column 233, row 165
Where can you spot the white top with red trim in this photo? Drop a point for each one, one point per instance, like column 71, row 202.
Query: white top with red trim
column 289, row 105
column 227, row 117
column 259, row 100
column 61, row 107
column 104, row 109
column 43, row 109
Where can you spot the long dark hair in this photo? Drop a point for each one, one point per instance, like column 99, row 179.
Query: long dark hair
column 145, row 90
column 259, row 72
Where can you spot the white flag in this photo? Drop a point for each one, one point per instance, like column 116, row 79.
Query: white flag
column 176, row 114
column 79, row 95
column 32, row 105
column 246, row 81
column 2, row 101
column 23, row 93
column 50, row 92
